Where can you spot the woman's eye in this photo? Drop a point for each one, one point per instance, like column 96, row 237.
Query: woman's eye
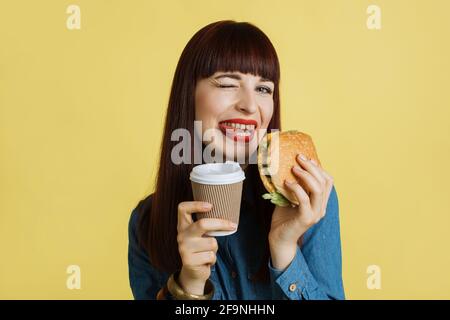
column 265, row 90
column 226, row 86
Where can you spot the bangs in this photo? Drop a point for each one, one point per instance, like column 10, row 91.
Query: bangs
column 237, row 47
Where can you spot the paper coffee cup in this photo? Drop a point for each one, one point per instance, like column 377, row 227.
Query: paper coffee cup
column 221, row 185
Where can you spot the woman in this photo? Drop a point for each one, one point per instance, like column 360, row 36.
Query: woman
column 230, row 70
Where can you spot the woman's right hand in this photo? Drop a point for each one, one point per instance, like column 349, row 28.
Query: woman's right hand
column 198, row 252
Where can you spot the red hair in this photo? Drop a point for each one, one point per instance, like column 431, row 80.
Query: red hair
column 219, row 46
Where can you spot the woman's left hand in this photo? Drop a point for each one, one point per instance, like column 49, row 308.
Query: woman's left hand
column 290, row 223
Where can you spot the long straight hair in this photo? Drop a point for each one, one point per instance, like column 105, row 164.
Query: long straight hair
column 220, row 46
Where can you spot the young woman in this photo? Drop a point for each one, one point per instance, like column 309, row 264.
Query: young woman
column 230, row 70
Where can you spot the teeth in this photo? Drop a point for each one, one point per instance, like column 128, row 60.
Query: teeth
column 240, row 126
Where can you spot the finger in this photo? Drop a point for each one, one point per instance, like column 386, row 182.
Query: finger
column 325, row 199
column 329, row 187
column 200, row 244
column 200, row 227
column 299, row 192
column 312, row 215
column 311, row 185
column 186, row 209
column 313, row 169
column 328, row 177
column 200, row 258
column 318, row 172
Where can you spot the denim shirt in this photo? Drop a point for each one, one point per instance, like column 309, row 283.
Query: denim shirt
column 314, row 273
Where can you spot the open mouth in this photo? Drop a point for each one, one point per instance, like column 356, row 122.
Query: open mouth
column 238, row 129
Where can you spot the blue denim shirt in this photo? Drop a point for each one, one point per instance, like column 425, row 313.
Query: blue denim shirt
column 314, row 273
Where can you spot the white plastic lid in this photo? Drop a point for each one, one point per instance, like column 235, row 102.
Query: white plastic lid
column 217, row 173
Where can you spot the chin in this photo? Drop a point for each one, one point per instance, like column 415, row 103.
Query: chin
column 241, row 152
column 232, row 149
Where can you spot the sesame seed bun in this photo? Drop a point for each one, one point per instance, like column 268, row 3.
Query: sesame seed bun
column 276, row 157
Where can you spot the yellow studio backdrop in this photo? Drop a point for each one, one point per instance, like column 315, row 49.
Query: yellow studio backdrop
column 81, row 115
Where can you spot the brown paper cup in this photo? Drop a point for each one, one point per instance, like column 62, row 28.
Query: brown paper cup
column 225, row 200
column 224, row 197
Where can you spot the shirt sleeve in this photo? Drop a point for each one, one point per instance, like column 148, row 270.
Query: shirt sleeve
column 145, row 280
column 315, row 273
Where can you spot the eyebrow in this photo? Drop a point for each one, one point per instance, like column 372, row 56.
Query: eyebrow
column 237, row 77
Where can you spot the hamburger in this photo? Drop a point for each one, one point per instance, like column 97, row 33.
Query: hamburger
column 277, row 154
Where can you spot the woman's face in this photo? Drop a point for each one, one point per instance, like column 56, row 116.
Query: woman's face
column 233, row 106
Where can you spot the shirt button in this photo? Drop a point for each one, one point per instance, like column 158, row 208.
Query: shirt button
column 233, row 274
column 292, row 287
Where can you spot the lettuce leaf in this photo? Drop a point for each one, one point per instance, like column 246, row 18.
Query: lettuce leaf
column 276, row 198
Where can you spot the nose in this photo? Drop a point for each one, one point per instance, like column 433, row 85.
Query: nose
column 247, row 102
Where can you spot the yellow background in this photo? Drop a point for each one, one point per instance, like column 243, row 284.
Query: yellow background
column 81, row 116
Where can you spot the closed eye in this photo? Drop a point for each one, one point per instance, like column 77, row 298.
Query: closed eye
column 262, row 89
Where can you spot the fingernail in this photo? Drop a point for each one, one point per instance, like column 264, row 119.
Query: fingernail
column 314, row 162
column 207, row 205
column 289, row 182
column 298, row 169
column 302, row 157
